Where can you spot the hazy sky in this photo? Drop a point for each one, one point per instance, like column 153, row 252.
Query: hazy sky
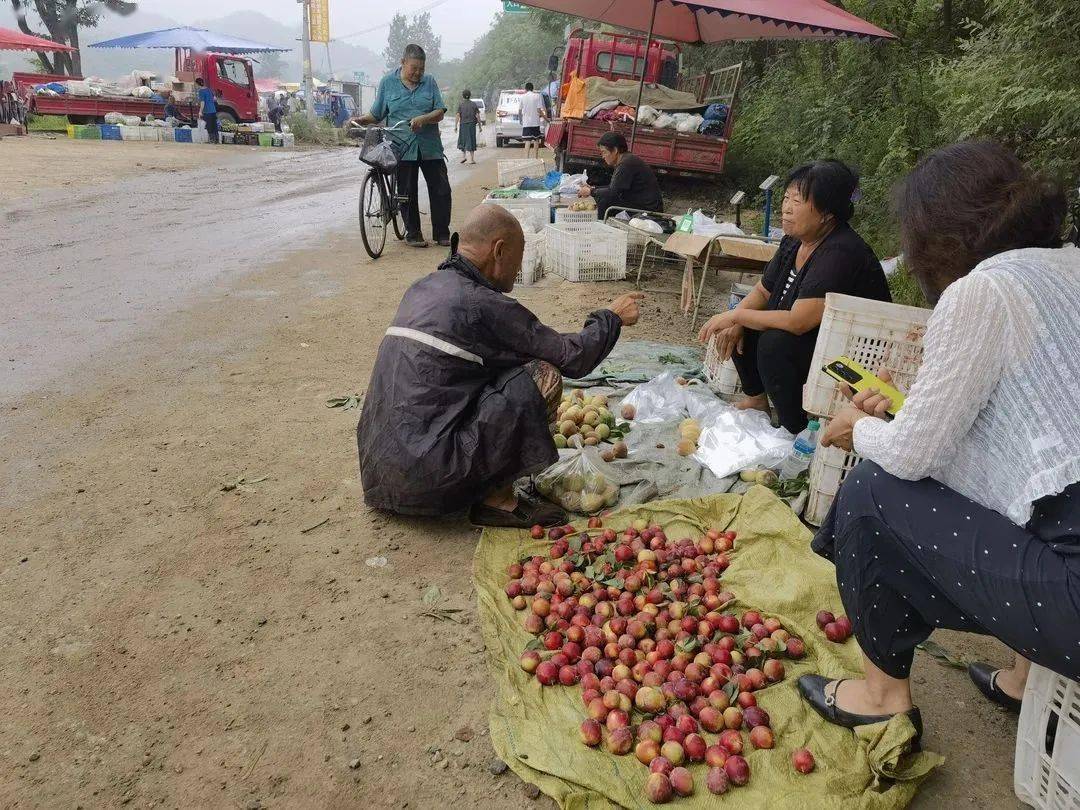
column 459, row 22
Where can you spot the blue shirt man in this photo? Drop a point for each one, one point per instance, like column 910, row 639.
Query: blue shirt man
column 410, row 99
column 207, row 109
column 206, row 98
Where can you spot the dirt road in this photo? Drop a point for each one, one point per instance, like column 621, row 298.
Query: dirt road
column 189, row 616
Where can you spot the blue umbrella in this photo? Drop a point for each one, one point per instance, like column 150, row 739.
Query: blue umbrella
column 195, row 39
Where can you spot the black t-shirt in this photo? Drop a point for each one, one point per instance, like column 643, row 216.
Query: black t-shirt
column 842, row 263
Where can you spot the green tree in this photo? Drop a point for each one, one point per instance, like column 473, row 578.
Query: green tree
column 62, row 20
column 270, row 65
column 417, row 31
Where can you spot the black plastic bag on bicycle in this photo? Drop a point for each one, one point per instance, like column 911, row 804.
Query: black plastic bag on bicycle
column 379, row 150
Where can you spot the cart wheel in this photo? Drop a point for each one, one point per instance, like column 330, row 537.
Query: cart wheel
column 374, row 211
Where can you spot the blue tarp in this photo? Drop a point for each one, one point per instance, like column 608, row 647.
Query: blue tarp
column 197, row 39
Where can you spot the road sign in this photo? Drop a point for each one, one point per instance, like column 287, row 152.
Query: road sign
column 511, row 7
column 320, row 21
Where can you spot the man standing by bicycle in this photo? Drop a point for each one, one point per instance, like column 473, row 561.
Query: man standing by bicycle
column 410, row 95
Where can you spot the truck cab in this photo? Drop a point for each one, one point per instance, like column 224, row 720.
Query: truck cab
column 231, row 79
column 619, row 56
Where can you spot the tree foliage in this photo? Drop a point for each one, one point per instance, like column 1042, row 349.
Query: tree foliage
column 62, row 20
column 416, row 31
column 513, row 51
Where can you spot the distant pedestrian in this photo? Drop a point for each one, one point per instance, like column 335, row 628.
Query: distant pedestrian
column 208, row 109
column 532, row 110
column 278, row 110
column 468, row 119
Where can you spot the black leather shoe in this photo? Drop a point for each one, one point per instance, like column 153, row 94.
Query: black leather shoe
column 812, row 688
column 527, row 514
column 416, row 241
column 985, row 678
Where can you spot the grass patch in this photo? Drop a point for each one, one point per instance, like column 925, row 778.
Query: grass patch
column 322, row 133
column 47, row 123
column 905, row 289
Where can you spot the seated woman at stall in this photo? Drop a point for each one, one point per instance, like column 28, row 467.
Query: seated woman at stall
column 965, row 514
column 633, row 183
column 771, row 334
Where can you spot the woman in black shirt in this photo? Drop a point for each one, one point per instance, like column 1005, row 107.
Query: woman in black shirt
column 633, row 183
column 771, row 334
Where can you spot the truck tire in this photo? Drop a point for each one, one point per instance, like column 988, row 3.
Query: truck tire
column 226, row 117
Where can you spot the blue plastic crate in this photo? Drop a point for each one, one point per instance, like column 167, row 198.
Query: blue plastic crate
column 182, row 135
column 110, row 133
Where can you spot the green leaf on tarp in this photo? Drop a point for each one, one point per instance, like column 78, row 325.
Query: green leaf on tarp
column 941, row 654
column 432, row 596
column 671, row 359
column 731, row 689
column 535, row 644
column 576, row 543
column 589, row 571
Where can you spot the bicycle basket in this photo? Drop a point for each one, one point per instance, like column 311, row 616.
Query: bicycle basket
column 379, row 150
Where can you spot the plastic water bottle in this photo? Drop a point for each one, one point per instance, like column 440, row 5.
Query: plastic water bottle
column 801, row 453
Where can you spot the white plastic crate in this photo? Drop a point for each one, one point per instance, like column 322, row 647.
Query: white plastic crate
column 533, row 218
column 721, row 375
column 511, row 171
column 532, row 266
column 591, row 252
column 130, row 133
column 564, row 216
column 200, row 136
column 876, row 335
column 536, row 209
column 1046, row 773
column 151, row 134
column 828, row 470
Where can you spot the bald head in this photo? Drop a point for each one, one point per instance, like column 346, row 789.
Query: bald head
column 492, row 239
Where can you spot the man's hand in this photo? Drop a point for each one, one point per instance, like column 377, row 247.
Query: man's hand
column 585, row 191
column 417, row 123
column 715, row 324
column 731, row 341
column 627, row 307
column 364, row 120
column 840, row 432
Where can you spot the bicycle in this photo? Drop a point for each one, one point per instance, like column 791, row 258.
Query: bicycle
column 380, row 202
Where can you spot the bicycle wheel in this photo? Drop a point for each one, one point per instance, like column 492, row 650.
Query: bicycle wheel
column 374, row 211
column 397, row 213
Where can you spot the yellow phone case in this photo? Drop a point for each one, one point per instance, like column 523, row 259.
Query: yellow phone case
column 848, row 372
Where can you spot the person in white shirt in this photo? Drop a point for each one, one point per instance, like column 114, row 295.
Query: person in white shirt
column 532, row 111
column 965, row 514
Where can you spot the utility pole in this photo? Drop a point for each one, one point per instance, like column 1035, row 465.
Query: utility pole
column 309, row 85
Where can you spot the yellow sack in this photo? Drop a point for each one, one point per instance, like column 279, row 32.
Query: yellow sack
column 574, row 98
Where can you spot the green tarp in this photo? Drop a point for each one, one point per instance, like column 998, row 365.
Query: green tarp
column 535, row 729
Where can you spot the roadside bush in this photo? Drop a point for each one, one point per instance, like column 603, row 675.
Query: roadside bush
column 322, row 133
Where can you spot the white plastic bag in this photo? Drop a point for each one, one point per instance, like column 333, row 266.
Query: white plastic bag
column 647, row 115
column 690, row 124
column 572, row 182
column 647, row 225
column 707, row 226
column 114, row 118
column 132, row 120
column 577, row 484
column 664, row 121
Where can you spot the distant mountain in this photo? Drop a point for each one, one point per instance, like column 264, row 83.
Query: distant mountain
column 109, row 63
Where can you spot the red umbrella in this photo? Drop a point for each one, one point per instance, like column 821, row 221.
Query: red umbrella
column 706, row 21
column 18, row 41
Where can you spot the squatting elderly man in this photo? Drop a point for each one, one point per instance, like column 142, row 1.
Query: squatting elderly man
column 466, row 383
column 412, row 96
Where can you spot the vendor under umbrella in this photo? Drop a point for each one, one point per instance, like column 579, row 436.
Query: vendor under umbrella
column 467, row 382
column 633, row 183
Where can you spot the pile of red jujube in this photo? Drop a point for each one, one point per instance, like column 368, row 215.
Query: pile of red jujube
column 638, row 622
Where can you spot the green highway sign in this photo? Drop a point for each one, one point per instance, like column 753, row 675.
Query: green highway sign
column 511, row 7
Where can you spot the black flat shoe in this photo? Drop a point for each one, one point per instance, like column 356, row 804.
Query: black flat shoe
column 527, row 514
column 985, row 678
column 812, row 688
column 416, row 241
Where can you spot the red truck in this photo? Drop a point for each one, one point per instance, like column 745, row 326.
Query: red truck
column 228, row 76
column 622, row 56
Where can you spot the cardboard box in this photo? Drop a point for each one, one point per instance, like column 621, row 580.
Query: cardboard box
column 753, row 249
column 688, row 245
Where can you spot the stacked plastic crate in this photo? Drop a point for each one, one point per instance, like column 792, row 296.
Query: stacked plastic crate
column 877, row 336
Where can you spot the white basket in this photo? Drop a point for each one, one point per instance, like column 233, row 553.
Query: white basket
column 1046, row 773
column 538, row 208
column 151, row 134
column 876, row 335
column 721, row 375
column 532, row 268
column 564, row 216
column 130, row 133
column 828, row 470
column 200, row 136
column 511, row 171
column 590, row 252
